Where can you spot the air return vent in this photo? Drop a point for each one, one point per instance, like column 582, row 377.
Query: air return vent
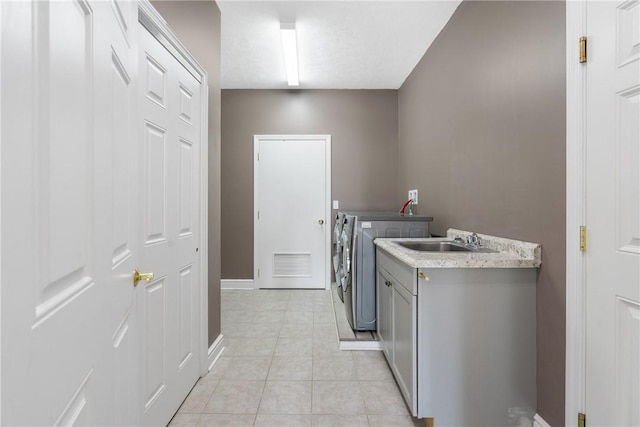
column 291, row 265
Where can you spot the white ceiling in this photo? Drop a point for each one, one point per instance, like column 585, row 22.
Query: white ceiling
column 341, row 44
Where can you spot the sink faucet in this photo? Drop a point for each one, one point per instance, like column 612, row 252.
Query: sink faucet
column 474, row 241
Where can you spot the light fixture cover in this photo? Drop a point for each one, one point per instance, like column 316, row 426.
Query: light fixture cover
column 290, row 49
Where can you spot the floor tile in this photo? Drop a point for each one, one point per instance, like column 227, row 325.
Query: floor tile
column 281, row 420
column 334, row 369
column 290, row 368
column 322, row 295
column 241, row 397
column 233, row 316
column 323, row 305
column 297, row 331
column 198, row 398
column 394, row 421
column 268, row 316
column 282, row 366
column 235, row 330
column 327, row 347
column 372, row 366
column 331, row 420
column 286, row 397
column 325, row 331
column 298, row 317
column 306, row 306
column 218, row 370
column 215, row 420
column 324, row 317
column 255, row 347
column 273, row 305
column 337, row 397
column 184, row 420
column 247, row 368
column 383, row 397
column 263, row 329
column 302, row 347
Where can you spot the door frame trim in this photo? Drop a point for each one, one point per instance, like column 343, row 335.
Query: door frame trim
column 575, row 357
column 151, row 19
column 327, row 201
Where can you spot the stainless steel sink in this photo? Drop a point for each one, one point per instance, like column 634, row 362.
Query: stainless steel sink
column 441, row 247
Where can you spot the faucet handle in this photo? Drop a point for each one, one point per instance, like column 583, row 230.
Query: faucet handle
column 473, row 240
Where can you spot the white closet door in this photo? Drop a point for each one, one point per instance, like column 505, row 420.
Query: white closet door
column 170, row 203
column 613, row 214
column 68, row 213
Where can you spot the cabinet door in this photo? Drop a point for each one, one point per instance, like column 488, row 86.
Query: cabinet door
column 384, row 305
column 404, row 351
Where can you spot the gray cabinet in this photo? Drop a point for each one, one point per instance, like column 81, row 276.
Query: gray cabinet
column 384, row 309
column 460, row 341
column 404, row 349
column 396, row 323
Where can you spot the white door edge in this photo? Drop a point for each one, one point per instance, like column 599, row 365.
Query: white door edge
column 155, row 23
column 327, row 193
column 575, row 264
column 1, row 286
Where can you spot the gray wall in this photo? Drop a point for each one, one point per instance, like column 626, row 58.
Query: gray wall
column 197, row 25
column 482, row 137
column 363, row 125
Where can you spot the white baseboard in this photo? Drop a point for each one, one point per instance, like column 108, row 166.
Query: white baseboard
column 237, row 284
column 538, row 421
column 215, row 351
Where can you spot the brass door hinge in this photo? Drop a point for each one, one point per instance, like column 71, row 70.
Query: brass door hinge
column 583, row 238
column 582, row 419
column 583, row 49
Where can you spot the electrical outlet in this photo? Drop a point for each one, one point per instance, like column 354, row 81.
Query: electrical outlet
column 413, row 194
column 336, row 204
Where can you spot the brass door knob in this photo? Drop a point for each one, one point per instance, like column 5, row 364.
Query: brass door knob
column 137, row 276
column 321, row 221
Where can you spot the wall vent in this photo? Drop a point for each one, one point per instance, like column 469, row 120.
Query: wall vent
column 291, row 265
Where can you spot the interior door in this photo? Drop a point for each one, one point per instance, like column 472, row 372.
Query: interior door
column 613, row 214
column 170, row 201
column 292, row 221
column 68, row 213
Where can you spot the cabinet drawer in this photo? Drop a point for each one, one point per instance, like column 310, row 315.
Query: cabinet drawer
column 404, row 275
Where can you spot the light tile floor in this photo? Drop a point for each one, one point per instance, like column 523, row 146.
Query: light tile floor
column 282, row 367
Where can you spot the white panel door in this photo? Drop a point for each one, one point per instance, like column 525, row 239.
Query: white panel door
column 169, row 130
column 291, row 208
column 613, row 214
column 68, row 213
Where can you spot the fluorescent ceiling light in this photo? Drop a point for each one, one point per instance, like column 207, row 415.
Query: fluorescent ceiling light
column 288, row 35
